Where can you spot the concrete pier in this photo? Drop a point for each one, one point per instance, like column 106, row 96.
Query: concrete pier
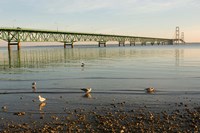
column 102, row 42
column 143, row 43
column 68, row 44
column 14, row 43
column 121, row 43
column 132, row 43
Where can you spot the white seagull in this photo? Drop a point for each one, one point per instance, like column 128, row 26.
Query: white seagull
column 87, row 90
column 41, row 99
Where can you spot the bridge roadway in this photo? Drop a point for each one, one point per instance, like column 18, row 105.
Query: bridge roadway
column 16, row 35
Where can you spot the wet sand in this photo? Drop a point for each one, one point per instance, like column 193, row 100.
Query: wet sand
column 155, row 113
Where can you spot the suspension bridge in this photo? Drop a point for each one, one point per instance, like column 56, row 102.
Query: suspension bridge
column 14, row 36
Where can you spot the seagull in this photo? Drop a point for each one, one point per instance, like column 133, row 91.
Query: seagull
column 34, row 84
column 87, row 90
column 41, row 99
column 150, row 89
column 82, row 65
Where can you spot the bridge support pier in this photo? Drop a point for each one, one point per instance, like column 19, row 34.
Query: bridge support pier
column 102, row 42
column 14, row 43
column 69, row 43
column 121, row 42
column 152, row 43
column 132, row 43
column 143, row 43
column 170, row 42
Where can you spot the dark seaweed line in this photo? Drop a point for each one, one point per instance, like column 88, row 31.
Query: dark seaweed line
column 125, row 92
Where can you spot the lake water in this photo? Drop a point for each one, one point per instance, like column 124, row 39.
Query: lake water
column 114, row 73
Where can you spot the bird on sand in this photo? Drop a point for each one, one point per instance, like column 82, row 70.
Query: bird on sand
column 150, row 90
column 86, row 90
column 41, row 99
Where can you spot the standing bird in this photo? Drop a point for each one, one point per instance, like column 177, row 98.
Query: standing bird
column 41, row 99
column 34, row 84
column 150, row 90
column 87, row 90
column 83, row 64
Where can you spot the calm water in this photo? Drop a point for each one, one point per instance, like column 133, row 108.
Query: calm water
column 168, row 68
column 113, row 72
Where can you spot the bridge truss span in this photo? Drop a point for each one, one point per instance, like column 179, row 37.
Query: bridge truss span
column 16, row 35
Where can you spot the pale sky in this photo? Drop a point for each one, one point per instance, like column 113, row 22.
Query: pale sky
column 149, row 18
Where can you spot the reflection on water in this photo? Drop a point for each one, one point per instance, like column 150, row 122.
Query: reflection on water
column 42, row 105
column 87, row 95
column 179, row 54
column 55, row 57
column 110, row 68
column 34, row 88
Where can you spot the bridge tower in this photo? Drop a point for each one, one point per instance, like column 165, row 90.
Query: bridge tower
column 182, row 36
column 177, row 37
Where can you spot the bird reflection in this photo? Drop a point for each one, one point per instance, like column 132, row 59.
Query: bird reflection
column 42, row 105
column 34, row 88
column 82, row 69
column 87, row 95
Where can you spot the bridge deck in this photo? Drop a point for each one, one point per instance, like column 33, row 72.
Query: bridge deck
column 73, row 33
column 13, row 35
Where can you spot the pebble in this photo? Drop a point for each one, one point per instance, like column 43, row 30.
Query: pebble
column 19, row 113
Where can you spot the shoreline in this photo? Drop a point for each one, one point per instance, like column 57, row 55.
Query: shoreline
column 114, row 116
column 108, row 120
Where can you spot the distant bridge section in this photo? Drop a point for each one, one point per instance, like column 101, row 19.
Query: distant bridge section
column 16, row 35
